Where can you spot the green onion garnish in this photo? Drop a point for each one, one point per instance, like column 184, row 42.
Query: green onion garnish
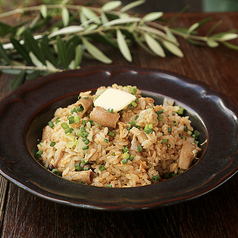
column 51, row 124
column 139, row 148
column 101, row 168
column 155, row 178
column 39, row 153
column 52, row 144
column 64, row 125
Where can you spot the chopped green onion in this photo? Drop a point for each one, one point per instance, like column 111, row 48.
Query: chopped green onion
column 39, row 153
column 136, row 117
column 69, row 130
column 57, row 172
column 164, row 141
column 155, row 178
column 77, row 119
column 52, row 144
column 196, row 134
column 183, row 137
column 78, row 167
column 109, row 186
column 86, row 168
column 73, row 110
column 160, row 117
column 160, row 111
column 111, row 133
column 170, row 129
column 185, row 128
column 79, row 97
column 102, row 168
column 126, row 155
column 139, row 148
column 124, row 161
column 106, row 140
column 131, row 157
column 80, row 108
column 173, row 174
column 133, row 123
column 91, row 122
column 51, row 124
column 189, row 133
column 85, row 97
column 113, row 153
column 125, row 149
column 180, row 111
column 64, row 125
column 133, row 91
column 83, row 122
column 71, row 120
column 110, row 110
column 57, row 120
column 175, row 123
column 85, row 147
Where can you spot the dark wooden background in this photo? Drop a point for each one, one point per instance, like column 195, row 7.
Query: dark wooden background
column 212, row 215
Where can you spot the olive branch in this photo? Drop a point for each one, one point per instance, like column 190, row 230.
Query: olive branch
column 42, row 45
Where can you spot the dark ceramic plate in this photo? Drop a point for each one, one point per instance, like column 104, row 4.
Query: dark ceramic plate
column 27, row 110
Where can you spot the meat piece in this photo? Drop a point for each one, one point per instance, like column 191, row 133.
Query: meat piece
column 80, row 176
column 86, row 102
column 188, row 152
column 139, row 134
column 104, row 118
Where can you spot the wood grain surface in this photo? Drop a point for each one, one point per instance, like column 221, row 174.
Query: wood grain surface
column 212, row 215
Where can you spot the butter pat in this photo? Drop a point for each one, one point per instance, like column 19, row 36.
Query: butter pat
column 114, row 99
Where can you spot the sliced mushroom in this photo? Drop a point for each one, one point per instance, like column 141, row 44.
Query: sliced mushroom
column 104, row 118
column 86, row 102
column 188, row 152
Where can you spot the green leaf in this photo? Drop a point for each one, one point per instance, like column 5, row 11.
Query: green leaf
column 32, row 45
column 65, row 16
column 198, row 24
column 154, row 45
column 4, row 55
column 78, row 56
column 121, row 21
column 48, row 53
column 95, row 52
column 104, row 38
column 5, row 29
column 62, row 52
column 91, row 15
column 132, row 5
column 18, row 80
column 228, row 36
column 43, row 11
column 123, row 46
column 231, row 46
column 111, row 5
column 35, row 60
column 152, row 16
column 70, row 52
column 104, row 18
column 173, row 48
column 67, row 30
column 212, row 43
column 193, row 27
column 90, row 27
column 21, row 50
column 170, row 35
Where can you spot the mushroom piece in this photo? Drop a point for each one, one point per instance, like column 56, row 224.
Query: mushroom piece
column 188, row 152
column 104, row 118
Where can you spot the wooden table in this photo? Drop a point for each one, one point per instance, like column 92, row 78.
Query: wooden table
column 212, row 215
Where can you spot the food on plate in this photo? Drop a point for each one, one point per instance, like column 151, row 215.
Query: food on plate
column 118, row 138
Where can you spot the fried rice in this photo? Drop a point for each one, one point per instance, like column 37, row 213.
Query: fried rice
column 140, row 145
